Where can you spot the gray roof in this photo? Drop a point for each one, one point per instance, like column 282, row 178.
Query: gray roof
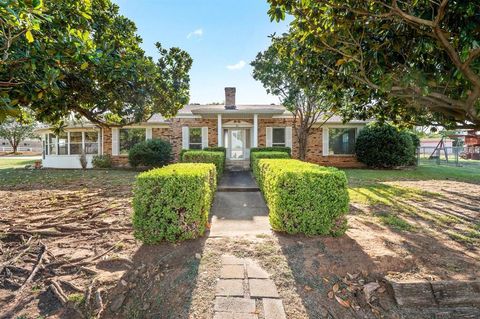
column 220, row 108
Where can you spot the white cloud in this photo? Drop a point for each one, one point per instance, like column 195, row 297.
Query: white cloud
column 237, row 66
column 196, row 33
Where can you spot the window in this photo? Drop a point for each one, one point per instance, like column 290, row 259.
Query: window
column 130, row 137
column 52, row 144
column 91, row 142
column 278, row 136
column 341, row 141
column 195, row 138
column 75, row 143
column 63, row 144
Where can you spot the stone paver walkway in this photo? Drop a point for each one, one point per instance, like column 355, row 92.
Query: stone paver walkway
column 244, row 290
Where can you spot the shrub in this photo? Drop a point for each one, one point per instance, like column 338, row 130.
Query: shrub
column 217, row 158
column 384, row 146
column 271, row 149
column 255, row 157
column 303, row 197
column 173, row 203
column 216, row 149
column 102, row 161
column 150, row 153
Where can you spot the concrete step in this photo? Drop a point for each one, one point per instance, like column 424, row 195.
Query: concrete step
column 237, row 166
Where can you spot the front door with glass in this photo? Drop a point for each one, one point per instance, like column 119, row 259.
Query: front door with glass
column 237, row 144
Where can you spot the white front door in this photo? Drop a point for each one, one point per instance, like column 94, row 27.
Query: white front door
column 237, row 144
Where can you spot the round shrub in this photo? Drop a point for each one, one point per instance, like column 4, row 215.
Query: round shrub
column 102, row 161
column 151, row 153
column 384, row 146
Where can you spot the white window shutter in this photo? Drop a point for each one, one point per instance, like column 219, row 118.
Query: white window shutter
column 269, row 137
column 115, row 141
column 148, row 133
column 288, row 137
column 185, row 137
column 325, row 141
column 204, row 137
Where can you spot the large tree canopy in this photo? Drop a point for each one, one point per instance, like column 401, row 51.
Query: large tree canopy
column 412, row 61
column 308, row 98
column 83, row 57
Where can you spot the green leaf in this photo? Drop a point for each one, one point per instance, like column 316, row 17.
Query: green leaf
column 84, row 65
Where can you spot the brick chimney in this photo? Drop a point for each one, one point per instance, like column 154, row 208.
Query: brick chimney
column 230, row 98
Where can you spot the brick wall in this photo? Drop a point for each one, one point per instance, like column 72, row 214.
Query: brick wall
column 176, row 132
column 173, row 134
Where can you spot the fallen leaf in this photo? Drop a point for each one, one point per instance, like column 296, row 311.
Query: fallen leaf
column 335, row 288
column 330, row 294
column 307, row 288
column 369, row 288
column 342, row 302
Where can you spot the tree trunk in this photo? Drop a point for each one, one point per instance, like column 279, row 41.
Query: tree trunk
column 302, row 136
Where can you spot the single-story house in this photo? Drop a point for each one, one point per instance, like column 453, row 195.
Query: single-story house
column 236, row 127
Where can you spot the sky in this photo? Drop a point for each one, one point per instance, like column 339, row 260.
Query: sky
column 222, row 36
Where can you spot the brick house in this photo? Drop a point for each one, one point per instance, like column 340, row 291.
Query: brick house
column 236, row 127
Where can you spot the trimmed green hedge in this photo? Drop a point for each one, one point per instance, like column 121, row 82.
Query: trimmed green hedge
column 255, row 157
column 217, row 158
column 173, row 203
column 303, row 197
column 270, row 149
column 216, row 149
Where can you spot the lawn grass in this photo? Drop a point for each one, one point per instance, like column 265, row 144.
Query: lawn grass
column 395, row 222
column 397, row 206
column 470, row 174
column 14, row 163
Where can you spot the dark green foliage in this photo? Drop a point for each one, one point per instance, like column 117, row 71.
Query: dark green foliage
column 271, row 149
column 216, row 149
column 172, row 203
column 415, row 139
column 384, row 146
column 151, row 153
column 102, row 161
column 303, row 197
column 411, row 62
column 83, row 58
column 256, row 156
column 217, row 158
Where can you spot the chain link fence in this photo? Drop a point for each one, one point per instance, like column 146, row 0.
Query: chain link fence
column 455, row 155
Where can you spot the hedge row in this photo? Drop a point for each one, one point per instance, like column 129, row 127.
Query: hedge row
column 303, row 197
column 173, row 203
column 255, row 157
column 216, row 149
column 271, row 149
column 217, row 158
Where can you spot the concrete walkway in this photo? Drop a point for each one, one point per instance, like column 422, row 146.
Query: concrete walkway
column 238, row 207
column 244, row 290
